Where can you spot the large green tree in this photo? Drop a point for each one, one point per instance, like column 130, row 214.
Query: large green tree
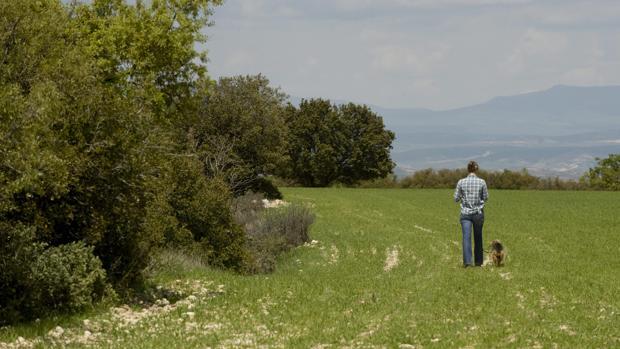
column 605, row 175
column 96, row 100
column 149, row 49
column 73, row 160
column 329, row 143
column 242, row 133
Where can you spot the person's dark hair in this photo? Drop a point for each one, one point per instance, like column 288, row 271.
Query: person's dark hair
column 472, row 166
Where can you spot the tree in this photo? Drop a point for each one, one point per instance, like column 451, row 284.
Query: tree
column 152, row 46
column 73, row 160
column 368, row 144
column 93, row 106
column 147, row 52
column 329, row 143
column 241, row 133
column 605, row 175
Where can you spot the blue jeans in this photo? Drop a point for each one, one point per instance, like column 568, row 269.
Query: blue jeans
column 477, row 221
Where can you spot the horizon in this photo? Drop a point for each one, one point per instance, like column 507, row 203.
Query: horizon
column 337, row 101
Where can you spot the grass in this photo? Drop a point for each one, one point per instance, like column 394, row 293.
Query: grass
column 560, row 286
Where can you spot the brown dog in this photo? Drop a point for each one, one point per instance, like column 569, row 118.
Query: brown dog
column 497, row 253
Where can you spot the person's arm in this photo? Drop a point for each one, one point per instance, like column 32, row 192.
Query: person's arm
column 485, row 192
column 457, row 192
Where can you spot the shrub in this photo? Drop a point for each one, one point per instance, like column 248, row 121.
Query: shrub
column 506, row 179
column 291, row 222
column 17, row 250
column 202, row 206
column 36, row 281
column 67, row 278
column 247, row 208
column 605, row 175
column 270, row 232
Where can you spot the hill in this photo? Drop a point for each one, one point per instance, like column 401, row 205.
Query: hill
column 556, row 132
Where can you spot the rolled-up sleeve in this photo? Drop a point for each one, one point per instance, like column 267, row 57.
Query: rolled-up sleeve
column 457, row 192
column 485, row 193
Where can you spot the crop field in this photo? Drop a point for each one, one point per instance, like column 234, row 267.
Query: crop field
column 385, row 271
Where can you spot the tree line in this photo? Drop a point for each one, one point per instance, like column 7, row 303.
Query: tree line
column 605, row 175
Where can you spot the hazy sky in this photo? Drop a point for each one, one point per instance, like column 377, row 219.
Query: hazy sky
column 437, row 54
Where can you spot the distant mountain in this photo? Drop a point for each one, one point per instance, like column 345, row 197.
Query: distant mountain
column 555, row 132
column 560, row 110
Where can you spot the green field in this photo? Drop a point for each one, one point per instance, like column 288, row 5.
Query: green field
column 386, row 272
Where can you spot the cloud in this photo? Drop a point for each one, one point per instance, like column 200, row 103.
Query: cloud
column 582, row 76
column 238, row 59
column 535, row 45
column 425, row 87
column 262, row 9
column 575, row 13
column 251, row 8
column 418, row 61
column 424, row 3
column 440, row 3
column 420, row 53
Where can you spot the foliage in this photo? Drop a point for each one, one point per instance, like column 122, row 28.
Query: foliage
column 241, row 132
column 68, row 277
column 247, row 208
column 37, row 280
column 329, row 144
column 506, row 179
column 605, row 175
column 270, row 232
column 192, row 210
column 150, row 45
column 74, row 150
column 96, row 102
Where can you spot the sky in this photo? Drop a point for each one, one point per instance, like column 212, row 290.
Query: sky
column 436, row 54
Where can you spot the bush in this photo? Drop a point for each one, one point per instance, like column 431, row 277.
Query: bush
column 36, row 281
column 17, row 250
column 605, row 175
column 247, row 208
column 67, row 278
column 270, row 232
column 291, row 222
column 506, row 179
column 202, row 206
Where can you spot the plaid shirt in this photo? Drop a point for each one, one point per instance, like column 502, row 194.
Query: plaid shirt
column 472, row 193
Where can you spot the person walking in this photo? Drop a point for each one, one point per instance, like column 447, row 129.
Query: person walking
column 472, row 193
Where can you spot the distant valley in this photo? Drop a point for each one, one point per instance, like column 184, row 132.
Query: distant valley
column 556, row 132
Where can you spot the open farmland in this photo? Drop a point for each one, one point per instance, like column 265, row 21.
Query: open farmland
column 386, row 272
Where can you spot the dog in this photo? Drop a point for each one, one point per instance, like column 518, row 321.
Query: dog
column 497, row 253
